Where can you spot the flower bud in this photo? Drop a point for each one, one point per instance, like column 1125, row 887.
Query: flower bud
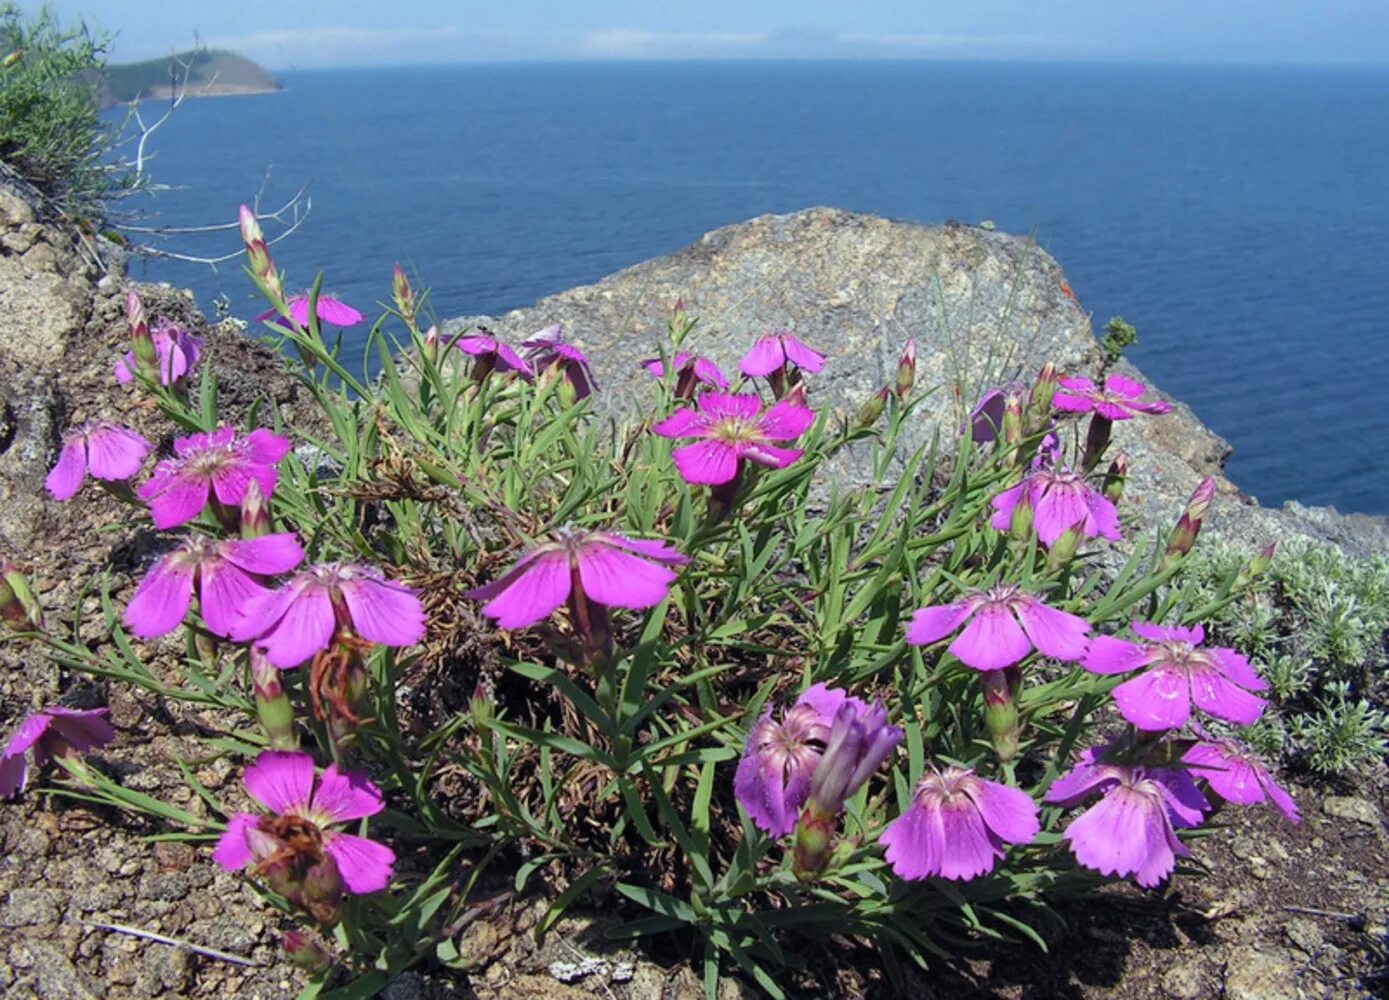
column 1114, row 478
column 255, row 512
column 273, row 707
column 1189, row 525
column 321, row 894
column 906, row 371
column 480, row 706
column 796, row 395
column 1064, row 549
column 1012, row 417
column 1039, row 400
column 305, row 952
column 258, row 253
column 872, row 409
column 814, row 841
column 1001, row 710
column 141, row 343
column 403, row 295
column 680, row 322
column 1255, row 567
column 18, row 607
column 431, row 345
column 1020, row 523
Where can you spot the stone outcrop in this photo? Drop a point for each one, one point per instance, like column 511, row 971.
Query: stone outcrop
column 984, row 307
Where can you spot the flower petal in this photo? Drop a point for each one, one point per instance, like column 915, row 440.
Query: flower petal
column 530, row 591
column 305, row 628
column 706, row 463
column 115, row 453
column 1224, row 699
column 282, row 781
column 1107, row 655
column 914, row 843
column 344, row 796
column 384, row 611
column 161, row 600
column 1055, row 633
column 232, row 852
column 933, row 623
column 267, row 555
column 684, row 422
column 786, row 421
column 992, row 640
column 1158, row 699
column 621, row 580
column 65, row 478
column 224, row 591
column 174, row 500
column 365, row 865
column 83, row 729
column 765, row 357
column 1008, row 812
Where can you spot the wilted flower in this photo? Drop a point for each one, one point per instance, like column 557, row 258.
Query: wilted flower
column 1236, row 774
column 774, row 775
column 604, row 568
column 1179, row 672
column 226, row 574
column 773, row 352
column 860, row 740
column 733, row 428
column 690, row 372
column 548, row 349
column 1130, row 830
column 176, row 352
column 1059, row 500
column 956, row 826
column 213, row 466
column 109, row 452
column 300, row 618
column 52, row 732
column 1117, row 400
column 1004, row 624
column 295, row 847
column 329, row 310
column 986, row 419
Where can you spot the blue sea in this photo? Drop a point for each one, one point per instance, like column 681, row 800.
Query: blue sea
column 1238, row 217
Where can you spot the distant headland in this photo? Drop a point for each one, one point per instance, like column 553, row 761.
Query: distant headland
column 210, row 73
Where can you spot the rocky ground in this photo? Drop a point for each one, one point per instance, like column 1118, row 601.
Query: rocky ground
column 86, row 895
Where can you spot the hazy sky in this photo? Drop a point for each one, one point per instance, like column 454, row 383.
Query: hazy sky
column 287, row 34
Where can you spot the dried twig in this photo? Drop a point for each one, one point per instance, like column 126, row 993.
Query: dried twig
column 175, row 942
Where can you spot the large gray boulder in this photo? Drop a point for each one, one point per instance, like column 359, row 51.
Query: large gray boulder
column 983, row 307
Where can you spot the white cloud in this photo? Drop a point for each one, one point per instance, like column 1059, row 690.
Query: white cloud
column 337, row 44
column 635, row 43
column 930, row 41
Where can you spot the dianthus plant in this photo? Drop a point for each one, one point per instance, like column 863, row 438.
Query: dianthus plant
column 663, row 667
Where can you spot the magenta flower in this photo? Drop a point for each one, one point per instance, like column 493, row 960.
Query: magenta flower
column 734, row 429
column 774, row 775
column 548, row 349
column 490, row 354
column 227, row 574
column 690, row 372
column 298, row 836
column 1217, row 679
column 607, row 568
column 177, row 351
column 1130, row 830
column 217, row 466
column 52, row 732
column 1118, row 400
column 1237, row 775
column 296, row 621
column 109, row 452
column 1059, row 499
column 1004, row 624
column 773, row 352
column 956, row 826
column 330, row 310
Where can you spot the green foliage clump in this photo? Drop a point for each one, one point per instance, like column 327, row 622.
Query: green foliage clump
column 1316, row 626
column 51, row 135
column 1118, row 335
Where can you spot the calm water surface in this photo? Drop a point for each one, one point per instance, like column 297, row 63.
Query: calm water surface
column 1238, row 217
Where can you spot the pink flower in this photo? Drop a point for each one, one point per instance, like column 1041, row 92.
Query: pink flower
column 775, row 351
column 607, row 568
column 1237, row 775
column 1004, row 624
column 690, row 371
column 109, row 452
column 490, row 354
column 1130, row 830
column 860, row 740
column 216, row 465
column 227, row 575
column 177, row 351
column 1059, row 499
column 1118, row 400
column 52, row 732
column 956, row 826
column 329, row 310
column 298, row 836
column 547, row 349
column 1217, row 679
column 734, row 429
column 774, row 775
column 295, row 622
